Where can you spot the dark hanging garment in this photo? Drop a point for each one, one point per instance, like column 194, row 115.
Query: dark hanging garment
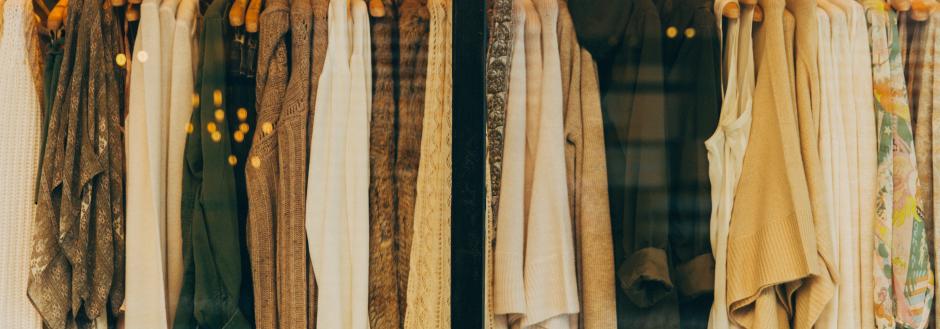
column 50, row 81
column 217, row 290
column 693, row 102
column 625, row 37
column 384, row 284
column 77, row 254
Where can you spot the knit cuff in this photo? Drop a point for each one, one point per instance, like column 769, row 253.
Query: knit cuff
column 696, row 277
column 644, row 277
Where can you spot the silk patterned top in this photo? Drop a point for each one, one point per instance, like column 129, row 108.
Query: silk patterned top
column 903, row 277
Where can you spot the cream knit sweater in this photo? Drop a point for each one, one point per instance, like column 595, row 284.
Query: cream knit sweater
column 146, row 177
column 19, row 146
column 338, row 179
column 429, row 269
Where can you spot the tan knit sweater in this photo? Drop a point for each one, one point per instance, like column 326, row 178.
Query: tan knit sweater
column 293, row 273
column 772, row 245
column 261, row 180
column 587, row 179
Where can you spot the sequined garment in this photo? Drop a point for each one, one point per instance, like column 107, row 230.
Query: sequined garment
column 903, row 277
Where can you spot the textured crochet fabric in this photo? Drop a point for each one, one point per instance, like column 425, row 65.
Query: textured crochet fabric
column 19, row 144
column 429, row 278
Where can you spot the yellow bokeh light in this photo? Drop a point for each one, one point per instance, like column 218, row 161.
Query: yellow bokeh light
column 671, row 32
column 267, row 128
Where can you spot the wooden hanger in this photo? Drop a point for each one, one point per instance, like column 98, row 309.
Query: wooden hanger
column 236, row 16
column 251, row 16
column 58, row 15
column 731, row 10
column 133, row 12
column 376, row 8
column 921, row 9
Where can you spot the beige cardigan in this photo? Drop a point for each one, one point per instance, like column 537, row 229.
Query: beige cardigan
column 772, row 244
column 587, row 179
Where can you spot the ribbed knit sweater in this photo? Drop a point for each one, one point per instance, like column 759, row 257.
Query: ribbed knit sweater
column 19, row 144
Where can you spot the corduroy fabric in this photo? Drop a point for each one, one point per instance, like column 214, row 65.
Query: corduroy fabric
column 428, row 303
column 19, row 144
column 587, row 179
column 383, row 280
column 261, row 178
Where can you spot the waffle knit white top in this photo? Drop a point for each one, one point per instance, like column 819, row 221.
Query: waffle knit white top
column 19, row 158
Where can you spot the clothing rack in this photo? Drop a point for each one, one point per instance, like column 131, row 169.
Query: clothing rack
column 468, row 228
